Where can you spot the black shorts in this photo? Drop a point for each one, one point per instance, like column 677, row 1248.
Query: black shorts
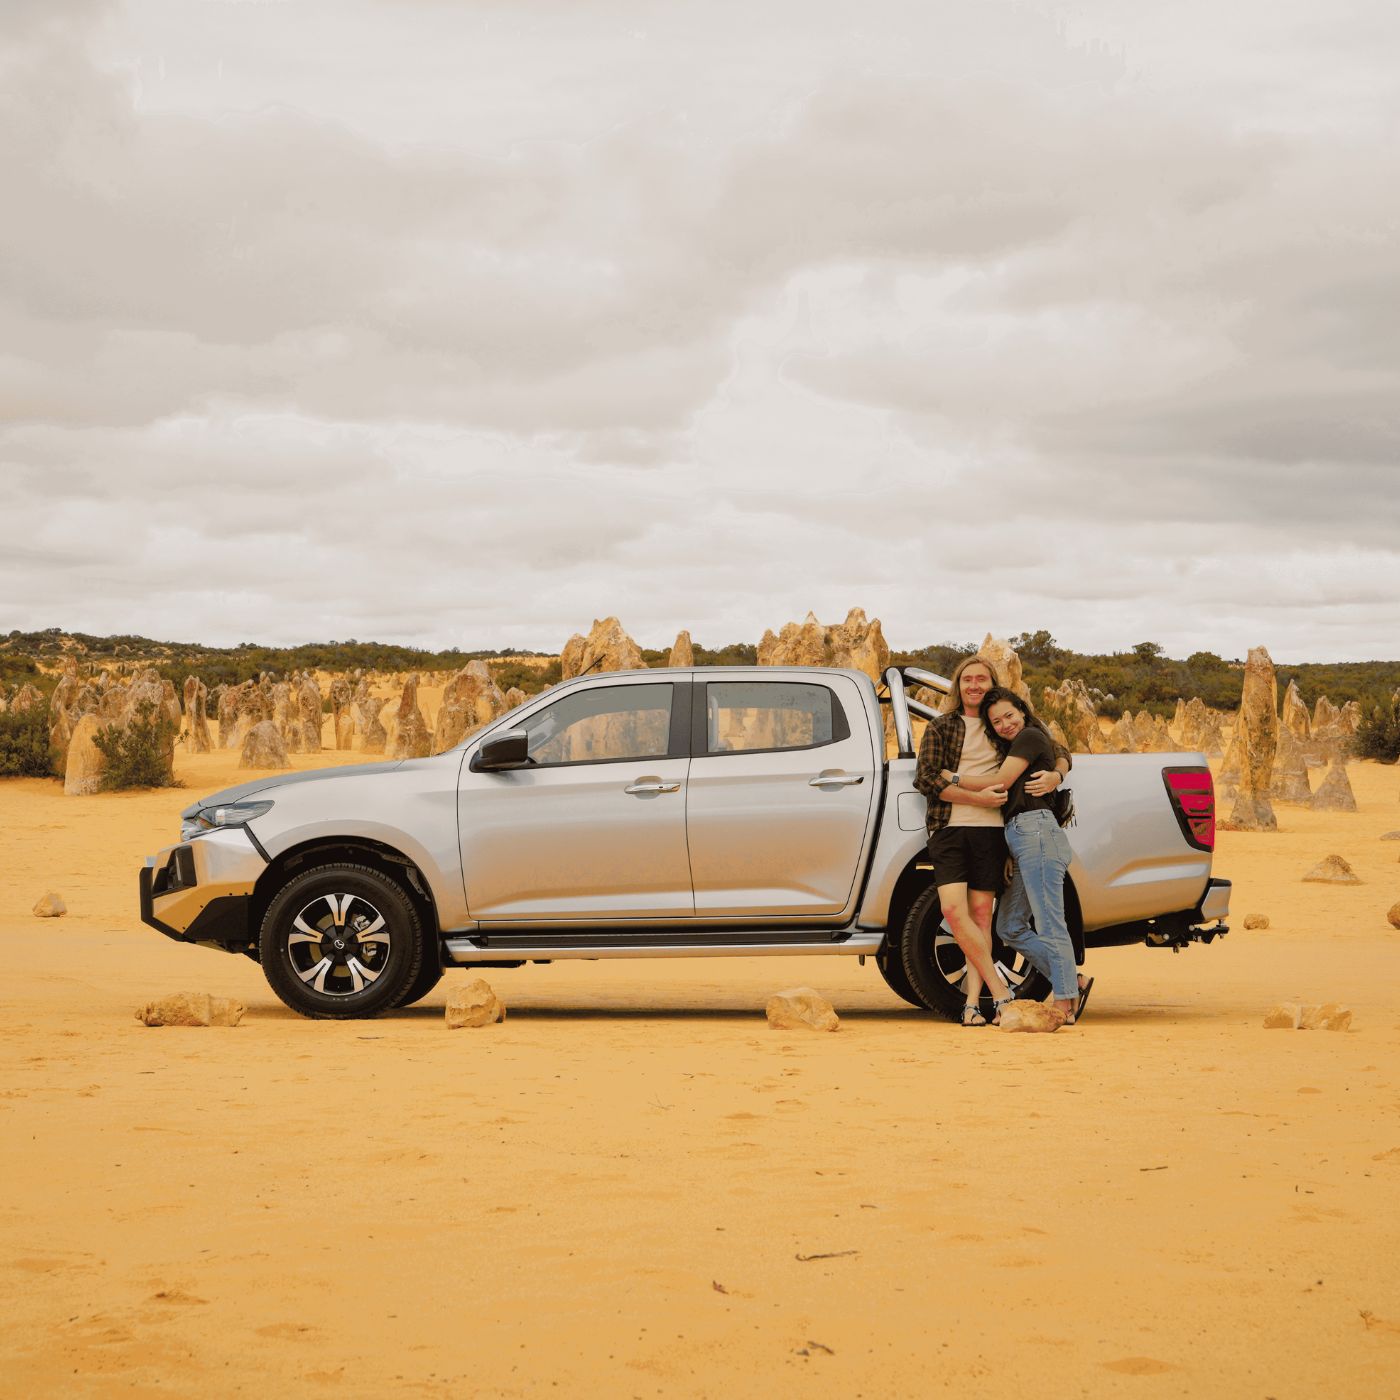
column 974, row 856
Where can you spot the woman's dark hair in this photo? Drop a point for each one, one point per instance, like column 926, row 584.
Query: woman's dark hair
column 995, row 696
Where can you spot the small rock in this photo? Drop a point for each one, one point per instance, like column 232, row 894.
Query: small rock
column 1332, row 871
column 1256, row 921
column 51, row 906
column 192, row 1009
column 474, row 1005
column 1391, row 836
column 1287, row 1016
column 801, row 1009
column 1394, row 915
column 1031, row 1016
column 1329, row 1017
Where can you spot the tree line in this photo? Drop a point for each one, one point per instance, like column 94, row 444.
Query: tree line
column 1140, row 678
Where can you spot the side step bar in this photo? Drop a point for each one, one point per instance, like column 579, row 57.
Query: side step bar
column 545, row 947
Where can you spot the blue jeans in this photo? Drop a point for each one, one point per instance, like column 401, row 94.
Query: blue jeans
column 1042, row 855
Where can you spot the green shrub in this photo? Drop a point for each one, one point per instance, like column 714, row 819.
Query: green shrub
column 530, row 679
column 139, row 754
column 1378, row 734
column 24, row 745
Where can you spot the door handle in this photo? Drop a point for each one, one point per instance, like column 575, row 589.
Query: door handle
column 652, row 787
column 837, row 780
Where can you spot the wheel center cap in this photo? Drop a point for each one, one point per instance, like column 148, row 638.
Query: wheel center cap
column 340, row 943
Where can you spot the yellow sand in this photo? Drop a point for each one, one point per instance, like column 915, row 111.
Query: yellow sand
column 627, row 1187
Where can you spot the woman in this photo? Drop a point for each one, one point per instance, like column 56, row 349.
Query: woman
column 1038, row 847
column 965, row 840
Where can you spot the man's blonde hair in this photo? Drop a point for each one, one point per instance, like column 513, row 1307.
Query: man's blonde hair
column 953, row 700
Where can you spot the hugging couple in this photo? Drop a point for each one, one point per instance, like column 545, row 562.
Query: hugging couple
column 988, row 768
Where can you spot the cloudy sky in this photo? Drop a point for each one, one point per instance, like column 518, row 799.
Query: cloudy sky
column 462, row 324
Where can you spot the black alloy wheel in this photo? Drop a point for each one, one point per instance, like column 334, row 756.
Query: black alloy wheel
column 341, row 941
column 936, row 969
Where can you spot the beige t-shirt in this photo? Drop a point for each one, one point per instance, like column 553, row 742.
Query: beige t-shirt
column 978, row 758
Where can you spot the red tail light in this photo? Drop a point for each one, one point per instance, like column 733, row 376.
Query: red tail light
column 1192, row 791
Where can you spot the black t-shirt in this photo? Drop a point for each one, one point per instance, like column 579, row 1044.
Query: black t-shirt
column 1035, row 747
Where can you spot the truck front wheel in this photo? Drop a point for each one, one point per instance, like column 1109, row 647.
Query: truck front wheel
column 936, row 969
column 429, row 975
column 341, row 941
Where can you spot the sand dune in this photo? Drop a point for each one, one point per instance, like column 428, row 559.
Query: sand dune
column 634, row 1188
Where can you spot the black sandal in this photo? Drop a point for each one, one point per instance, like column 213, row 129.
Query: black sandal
column 997, row 1005
column 972, row 1015
column 1083, row 997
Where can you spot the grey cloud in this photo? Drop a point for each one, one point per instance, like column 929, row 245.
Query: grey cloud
column 937, row 310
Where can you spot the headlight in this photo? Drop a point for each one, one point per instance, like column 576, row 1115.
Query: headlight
column 224, row 815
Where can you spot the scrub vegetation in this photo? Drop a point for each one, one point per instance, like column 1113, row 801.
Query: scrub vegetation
column 1379, row 734
column 24, row 745
column 139, row 753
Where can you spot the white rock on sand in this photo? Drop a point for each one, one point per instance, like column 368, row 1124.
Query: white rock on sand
column 1332, row 870
column 801, row 1009
column 475, row 1004
column 1329, row 1017
column 1294, row 1016
column 50, row 906
column 192, row 1009
column 1031, row 1017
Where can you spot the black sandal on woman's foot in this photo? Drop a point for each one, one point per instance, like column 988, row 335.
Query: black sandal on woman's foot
column 997, row 1006
column 971, row 1016
column 1084, row 990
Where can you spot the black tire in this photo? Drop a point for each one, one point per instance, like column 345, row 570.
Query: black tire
column 891, row 964
column 429, row 975
column 341, row 941
column 935, row 967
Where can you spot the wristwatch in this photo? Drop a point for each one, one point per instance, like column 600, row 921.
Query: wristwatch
column 955, row 780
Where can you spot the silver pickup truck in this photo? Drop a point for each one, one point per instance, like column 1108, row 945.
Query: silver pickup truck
column 675, row 813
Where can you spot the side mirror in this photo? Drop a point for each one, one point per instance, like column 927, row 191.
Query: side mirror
column 509, row 749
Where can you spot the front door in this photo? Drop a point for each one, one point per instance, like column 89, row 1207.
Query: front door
column 594, row 827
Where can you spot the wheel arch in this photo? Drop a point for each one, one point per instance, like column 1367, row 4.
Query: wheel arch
column 913, row 880
column 359, row 850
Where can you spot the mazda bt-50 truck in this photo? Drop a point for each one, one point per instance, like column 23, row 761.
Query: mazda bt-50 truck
column 739, row 811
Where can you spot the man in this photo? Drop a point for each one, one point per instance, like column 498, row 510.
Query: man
column 966, row 842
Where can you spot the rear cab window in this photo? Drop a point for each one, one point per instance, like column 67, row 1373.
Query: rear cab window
column 767, row 717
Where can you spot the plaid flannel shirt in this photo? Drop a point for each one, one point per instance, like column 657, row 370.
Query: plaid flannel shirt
column 942, row 748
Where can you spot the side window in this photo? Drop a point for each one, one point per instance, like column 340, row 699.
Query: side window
column 750, row 716
column 611, row 722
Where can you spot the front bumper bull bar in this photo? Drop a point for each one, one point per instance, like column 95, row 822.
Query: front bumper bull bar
column 200, row 891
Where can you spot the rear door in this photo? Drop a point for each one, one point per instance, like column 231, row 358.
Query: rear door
column 594, row 827
column 780, row 804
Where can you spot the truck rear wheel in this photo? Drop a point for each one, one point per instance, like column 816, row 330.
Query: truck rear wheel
column 341, row 941
column 936, row 969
